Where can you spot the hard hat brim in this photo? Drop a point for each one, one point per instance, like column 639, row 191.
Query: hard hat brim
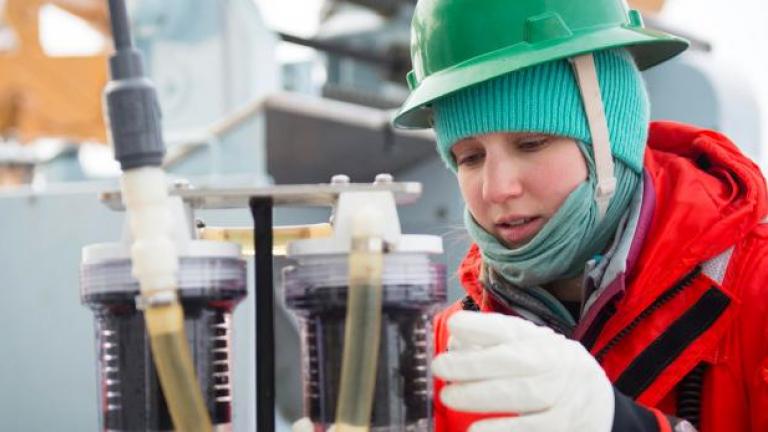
column 648, row 47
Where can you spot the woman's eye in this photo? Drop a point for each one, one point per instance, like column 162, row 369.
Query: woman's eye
column 469, row 159
column 532, row 144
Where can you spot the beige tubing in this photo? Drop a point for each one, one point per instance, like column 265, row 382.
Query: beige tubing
column 281, row 235
column 170, row 350
column 154, row 263
column 363, row 323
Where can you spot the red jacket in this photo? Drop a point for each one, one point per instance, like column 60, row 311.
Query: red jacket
column 671, row 318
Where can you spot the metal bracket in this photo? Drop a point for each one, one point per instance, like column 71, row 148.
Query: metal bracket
column 309, row 195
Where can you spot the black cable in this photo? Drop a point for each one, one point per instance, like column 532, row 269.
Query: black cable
column 121, row 31
column 261, row 209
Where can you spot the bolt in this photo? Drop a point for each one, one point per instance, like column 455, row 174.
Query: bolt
column 340, row 179
column 181, row 183
column 383, row 178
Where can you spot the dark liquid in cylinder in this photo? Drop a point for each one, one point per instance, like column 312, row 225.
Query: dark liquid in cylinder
column 403, row 391
column 131, row 395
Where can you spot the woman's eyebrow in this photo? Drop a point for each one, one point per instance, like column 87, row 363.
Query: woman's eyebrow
column 464, row 142
column 527, row 136
column 468, row 140
column 518, row 137
column 532, row 135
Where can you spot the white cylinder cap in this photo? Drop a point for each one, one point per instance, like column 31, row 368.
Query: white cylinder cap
column 102, row 252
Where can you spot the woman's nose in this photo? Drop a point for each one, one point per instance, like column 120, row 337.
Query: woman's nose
column 501, row 181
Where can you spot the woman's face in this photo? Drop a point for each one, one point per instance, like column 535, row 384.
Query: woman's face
column 513, row 183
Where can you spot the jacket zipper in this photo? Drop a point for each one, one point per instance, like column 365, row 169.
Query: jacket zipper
column 653, row 307
column 589, row 337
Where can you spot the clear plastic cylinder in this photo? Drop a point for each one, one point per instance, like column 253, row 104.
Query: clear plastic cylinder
column 413, row 288
column 210, row 286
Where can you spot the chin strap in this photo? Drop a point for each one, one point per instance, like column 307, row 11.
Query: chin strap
column 586, row 76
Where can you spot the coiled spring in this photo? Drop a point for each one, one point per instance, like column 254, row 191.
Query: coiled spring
column 689, row 395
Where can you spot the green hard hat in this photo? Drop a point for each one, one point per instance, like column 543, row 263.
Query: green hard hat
column 459, row 43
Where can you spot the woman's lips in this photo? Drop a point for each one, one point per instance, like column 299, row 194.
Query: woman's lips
column 515, row 235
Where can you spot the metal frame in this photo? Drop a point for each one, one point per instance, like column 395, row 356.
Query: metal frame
column 319, row 195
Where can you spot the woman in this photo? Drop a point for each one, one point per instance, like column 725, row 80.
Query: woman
column 622, row 263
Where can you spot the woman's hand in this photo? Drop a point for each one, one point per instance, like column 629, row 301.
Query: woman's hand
column 502, row 364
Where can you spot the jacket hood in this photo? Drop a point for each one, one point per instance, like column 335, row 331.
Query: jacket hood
column 708, row 197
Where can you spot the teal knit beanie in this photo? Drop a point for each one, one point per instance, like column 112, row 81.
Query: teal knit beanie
column 546, row 99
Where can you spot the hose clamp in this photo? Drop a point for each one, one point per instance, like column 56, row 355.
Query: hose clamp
column 156, row 299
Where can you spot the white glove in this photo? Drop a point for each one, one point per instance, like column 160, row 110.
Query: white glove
column 304, row 424
column 497, row 363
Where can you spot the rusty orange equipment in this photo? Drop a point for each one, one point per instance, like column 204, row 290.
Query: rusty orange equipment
column 51, row 96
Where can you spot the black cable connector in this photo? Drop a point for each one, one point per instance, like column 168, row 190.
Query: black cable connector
column 132, row 110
